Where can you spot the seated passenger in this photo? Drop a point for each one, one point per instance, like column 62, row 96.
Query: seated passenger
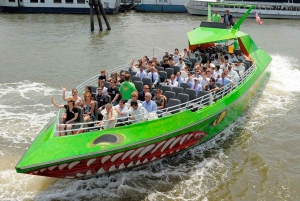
column 196, row 85
column 148, row 104
column 166, row 63
column 241, row 57
column 137, row 113
column 171, row 61
column 232, row 58
column 71, row 115
column 78, row 100
column 153, row 75
column 224, row 81
column 178, row 78
column 159, row 99
column 240, row 68
column 134, row 98
column 172, row 82
column 180, row 63
column 184, row 54
column 88, row 108
column 116, row 77
column 176, row 57
column 141, row 95
column 234, row 76
column 102, row 100
column 211, row 86
column 141, row 73
column 109, row 117
column 154, row 60
column 122, row 111
column 217, row 72
column 103, row 75
column 101, row 85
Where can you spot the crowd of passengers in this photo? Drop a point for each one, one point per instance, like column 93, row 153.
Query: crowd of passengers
column 121, row 101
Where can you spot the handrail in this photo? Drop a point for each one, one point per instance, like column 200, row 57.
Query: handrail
column 189, row 105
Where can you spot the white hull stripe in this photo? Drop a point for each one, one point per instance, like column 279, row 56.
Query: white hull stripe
column 122, row 166
column 112, row 168
column 148, row 148
column 175, row 142
column 183, row 139
column 127, row 154
column 101, row 170
column 136, row 152
column 105, row 158
column 91, row 161
column 157, row 147
column 62, row 166
column 52, row 167
column 115, row 157
column 167, row 144
column 73, row 164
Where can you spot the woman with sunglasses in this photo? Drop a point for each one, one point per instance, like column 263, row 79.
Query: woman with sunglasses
column 71, row 115
column 88, row 107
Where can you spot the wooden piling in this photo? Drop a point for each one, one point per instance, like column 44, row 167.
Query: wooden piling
column 96, row 5
column 103, row 14
column 91, row 15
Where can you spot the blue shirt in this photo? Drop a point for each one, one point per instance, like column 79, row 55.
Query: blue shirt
column 150, row 106
column 142, row 74
column 179, row 80
column 223, row 81
column 155, row 77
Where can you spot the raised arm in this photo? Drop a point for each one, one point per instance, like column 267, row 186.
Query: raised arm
column 55, row 104
column 64, row 93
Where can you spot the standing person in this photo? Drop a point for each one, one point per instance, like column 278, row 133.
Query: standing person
column 127, row 88
column 216, row 17
column 102, row 100
column 114, row 93
column 71, row 115
column 228, row 19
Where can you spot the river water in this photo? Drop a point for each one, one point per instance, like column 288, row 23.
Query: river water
column 255, row 158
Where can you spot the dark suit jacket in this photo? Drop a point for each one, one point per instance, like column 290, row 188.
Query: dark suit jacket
column 230, row 19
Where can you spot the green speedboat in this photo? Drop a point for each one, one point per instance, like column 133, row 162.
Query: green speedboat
column 91, row 151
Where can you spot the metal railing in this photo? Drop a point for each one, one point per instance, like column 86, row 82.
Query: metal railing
column 193, row 105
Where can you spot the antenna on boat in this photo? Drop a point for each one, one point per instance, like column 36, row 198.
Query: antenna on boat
column 237, row 25
column 99, row 10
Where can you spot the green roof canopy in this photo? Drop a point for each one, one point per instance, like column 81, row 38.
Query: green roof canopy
column 202, row 35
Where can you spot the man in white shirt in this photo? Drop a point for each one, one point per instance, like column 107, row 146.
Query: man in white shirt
column 138, row 113
column 233, row 75
column 240, row 68
column 172, row 82
column 180, row 64
column 225, row 65
column 217, row 72
column 232, row 58
column 122, row 111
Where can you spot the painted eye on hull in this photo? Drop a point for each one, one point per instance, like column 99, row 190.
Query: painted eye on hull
column 107, row 139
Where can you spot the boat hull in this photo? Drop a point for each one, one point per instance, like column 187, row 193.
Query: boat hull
column 53, row 10
column 160, row 8
column 156, row 148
